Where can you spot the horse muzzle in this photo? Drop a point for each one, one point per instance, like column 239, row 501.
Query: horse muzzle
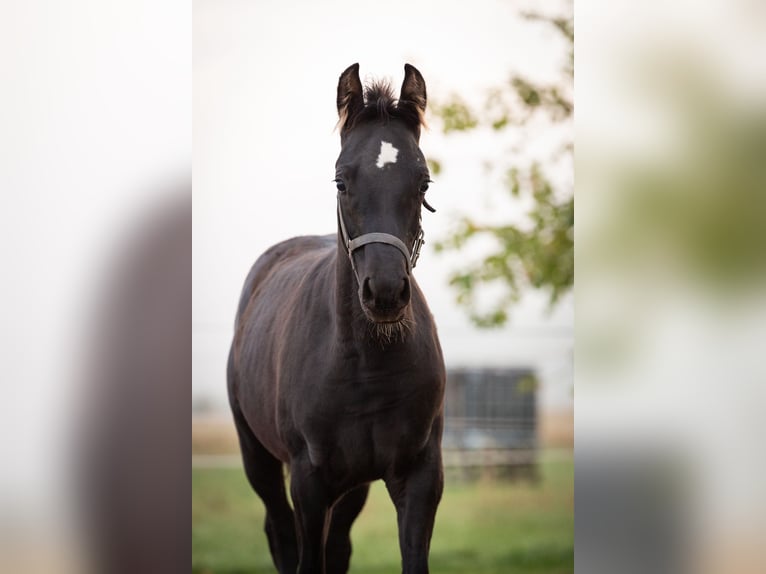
column 385, row 299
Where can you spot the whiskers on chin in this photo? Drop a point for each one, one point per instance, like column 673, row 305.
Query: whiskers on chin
column 386, row 333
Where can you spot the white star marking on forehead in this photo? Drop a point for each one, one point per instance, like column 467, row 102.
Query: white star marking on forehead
column 387, row 154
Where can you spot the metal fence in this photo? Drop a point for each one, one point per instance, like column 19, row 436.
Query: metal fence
column 491, row 422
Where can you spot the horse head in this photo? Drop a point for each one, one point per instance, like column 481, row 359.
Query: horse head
column 382, row 177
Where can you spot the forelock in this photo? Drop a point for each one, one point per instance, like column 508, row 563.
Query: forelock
column 381, row 105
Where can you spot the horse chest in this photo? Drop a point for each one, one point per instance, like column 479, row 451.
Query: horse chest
column 368, row 431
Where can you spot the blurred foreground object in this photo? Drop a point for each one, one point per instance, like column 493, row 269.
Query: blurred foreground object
column 95, row 145
column 671, row 140
column 135, row 441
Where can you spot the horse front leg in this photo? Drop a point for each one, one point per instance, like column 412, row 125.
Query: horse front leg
column 416, row 496
column 311, row 502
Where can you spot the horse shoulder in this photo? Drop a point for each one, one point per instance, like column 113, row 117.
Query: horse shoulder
column 261, row 345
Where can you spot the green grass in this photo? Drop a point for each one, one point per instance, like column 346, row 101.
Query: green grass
column 484, row 527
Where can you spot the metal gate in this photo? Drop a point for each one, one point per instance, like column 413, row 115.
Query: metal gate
column 491, row 421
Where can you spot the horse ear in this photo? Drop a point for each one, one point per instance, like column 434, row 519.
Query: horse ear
column 350, row 98
column 414, row 89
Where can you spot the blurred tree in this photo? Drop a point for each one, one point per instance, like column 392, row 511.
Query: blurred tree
column 697, row 213
column 538, row 252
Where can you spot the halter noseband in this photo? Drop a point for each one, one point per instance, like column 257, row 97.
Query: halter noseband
column 352, row 245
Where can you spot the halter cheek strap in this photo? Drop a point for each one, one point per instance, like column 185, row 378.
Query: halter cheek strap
column 352, row 245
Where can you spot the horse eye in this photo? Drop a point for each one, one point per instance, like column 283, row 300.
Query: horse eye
column 424, row 187
column 340, row 185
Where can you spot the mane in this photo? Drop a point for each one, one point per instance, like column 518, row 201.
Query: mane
column 381, row 105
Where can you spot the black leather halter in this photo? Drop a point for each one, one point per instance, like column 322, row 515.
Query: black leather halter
column 352, row 245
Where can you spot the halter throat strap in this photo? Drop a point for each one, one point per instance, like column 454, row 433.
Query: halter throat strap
column 352, row 245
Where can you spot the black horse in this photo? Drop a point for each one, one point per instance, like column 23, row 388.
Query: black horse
column 335, row 369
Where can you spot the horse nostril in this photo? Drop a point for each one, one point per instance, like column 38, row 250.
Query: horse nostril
column 366, row 290
column 404, row 294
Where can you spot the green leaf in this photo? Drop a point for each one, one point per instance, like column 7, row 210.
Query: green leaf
column 538, row 252
column 434, row 166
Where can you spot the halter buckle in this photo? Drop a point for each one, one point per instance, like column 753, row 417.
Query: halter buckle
column 419, row 241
